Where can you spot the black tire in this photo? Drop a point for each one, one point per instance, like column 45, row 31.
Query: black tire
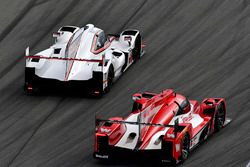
column 219, row 118
column 110, row 79
column 185, row 148
column 137, row 49
column 204, row 134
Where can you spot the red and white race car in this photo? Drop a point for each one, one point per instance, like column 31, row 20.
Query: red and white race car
column 166, row 125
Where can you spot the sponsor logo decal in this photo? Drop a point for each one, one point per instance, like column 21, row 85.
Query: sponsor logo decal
column 102, row 156
column 188, row 118
column 104, row 130
column 177, row 147
column 170, row 136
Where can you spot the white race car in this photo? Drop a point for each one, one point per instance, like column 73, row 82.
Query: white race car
column 83, row 58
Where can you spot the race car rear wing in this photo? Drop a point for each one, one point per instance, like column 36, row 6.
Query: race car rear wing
column 28, row 56
column 58, row 58
column 176, row 125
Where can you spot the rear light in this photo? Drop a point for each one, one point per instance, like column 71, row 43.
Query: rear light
column 96, row 92
column 30, row 88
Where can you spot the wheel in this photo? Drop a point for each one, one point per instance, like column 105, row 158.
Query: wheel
column 185, row 147
column 204, row 134
column 110, row 79
column 219, row 118
column 137, row 49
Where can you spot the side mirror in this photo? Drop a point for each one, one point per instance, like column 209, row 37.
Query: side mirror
column 56, row 34
column 136, row 96
column 210, row 102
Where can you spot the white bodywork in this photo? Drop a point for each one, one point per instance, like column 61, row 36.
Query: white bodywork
column 80, row 44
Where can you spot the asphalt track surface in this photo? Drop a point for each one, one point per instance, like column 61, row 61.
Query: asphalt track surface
column 201, row 48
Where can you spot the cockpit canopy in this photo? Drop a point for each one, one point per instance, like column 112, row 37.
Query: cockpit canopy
column 102, row 39
column 184, row 107
column 141, row 101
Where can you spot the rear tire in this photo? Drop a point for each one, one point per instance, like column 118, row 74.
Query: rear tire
column 219, row 118
column 110, row 79
column 185, row 147
column 204, row 134
column 137, row 49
